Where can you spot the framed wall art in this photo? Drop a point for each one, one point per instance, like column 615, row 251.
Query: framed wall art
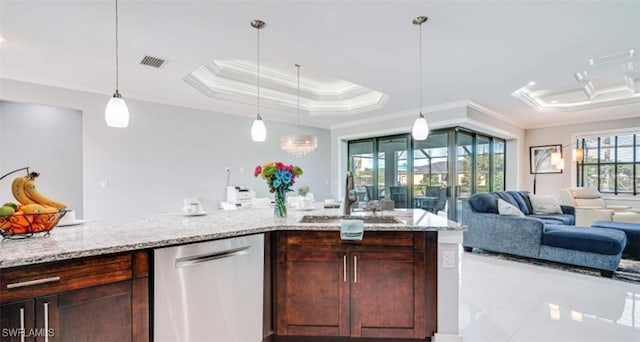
column 540, row 159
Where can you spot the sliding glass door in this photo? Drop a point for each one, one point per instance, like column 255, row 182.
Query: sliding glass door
column 431, row 173
column 392, row 166
column 361, row 163
column 435, row 175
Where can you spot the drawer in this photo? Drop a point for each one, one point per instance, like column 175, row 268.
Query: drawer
column 60, row 276
column 321, row 239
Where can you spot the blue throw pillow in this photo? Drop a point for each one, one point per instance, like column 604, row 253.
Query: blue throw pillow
column 522, row 200
column 484, row 202
column 525, row 195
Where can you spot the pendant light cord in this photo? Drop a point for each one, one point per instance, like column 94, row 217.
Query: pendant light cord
column 117, row 63
column 298, row 111
column 258, row 29
column 420, row 53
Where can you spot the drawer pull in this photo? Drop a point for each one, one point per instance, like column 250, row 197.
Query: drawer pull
column 33, row 282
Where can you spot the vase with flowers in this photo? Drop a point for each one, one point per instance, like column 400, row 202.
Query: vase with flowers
column 280, row 178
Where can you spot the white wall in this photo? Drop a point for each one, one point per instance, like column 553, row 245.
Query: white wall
column 47, row 140
column 565, row 135
column 168, row 153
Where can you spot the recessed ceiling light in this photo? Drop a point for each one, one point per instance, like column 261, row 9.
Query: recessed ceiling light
column 2, row 39
column 554, row 101
column 531, row 84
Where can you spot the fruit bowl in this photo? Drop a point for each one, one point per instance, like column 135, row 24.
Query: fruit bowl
column 18, row 226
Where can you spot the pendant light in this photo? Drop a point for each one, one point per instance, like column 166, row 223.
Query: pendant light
column 420, row 129
column 258, row 130
column 116, row 114
column 299, row 144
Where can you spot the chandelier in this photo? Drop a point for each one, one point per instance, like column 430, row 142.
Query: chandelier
column 298, row 144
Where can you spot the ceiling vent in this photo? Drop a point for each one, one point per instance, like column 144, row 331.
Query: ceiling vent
column 154, row 62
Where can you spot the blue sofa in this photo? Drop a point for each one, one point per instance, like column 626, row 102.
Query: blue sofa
column 552, row 237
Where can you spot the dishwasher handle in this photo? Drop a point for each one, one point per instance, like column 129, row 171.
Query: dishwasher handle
column 197, row 259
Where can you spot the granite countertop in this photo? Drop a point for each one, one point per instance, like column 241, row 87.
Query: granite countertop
column 111, row 236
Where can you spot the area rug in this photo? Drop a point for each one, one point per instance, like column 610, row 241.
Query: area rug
column 628, row 270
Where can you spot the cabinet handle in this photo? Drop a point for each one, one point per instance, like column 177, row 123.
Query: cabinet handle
column 355, row 269
column 194, row 260
column 32, row 282
column 46, row 322
column 344, row 268
column 22, row 325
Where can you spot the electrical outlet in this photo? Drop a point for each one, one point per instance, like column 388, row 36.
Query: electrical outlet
column 448, row 259
column 241, row 169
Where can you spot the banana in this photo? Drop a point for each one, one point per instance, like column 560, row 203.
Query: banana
column 17, row 187
column 37, row 197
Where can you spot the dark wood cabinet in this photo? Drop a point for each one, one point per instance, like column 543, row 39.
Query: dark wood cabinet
column 387, row 296
column 101, row 298
column 14, row 317
column 370, row 288
column 313, row 294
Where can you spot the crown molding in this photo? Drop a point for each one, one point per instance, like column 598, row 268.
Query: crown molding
column 402, row 114
column 236, row 81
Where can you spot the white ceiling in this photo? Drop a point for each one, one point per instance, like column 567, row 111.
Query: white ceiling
column 473, row 50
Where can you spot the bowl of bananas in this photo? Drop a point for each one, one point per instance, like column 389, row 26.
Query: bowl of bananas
column 32, row 213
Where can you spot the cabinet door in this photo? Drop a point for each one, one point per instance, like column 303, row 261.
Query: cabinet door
column 387, row 294
column 312, row 295
column 16, row 321
column 99, row 313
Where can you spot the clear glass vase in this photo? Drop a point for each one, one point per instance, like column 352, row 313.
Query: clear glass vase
column 280, row 209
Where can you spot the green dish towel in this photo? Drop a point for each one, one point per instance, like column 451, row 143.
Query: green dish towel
column 351, row 229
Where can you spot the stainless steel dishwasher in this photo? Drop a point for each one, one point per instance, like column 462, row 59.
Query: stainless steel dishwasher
column 209, row 291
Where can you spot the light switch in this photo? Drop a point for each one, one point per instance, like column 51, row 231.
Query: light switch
column 104, row 183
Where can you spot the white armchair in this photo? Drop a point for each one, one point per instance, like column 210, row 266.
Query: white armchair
column 590, row 207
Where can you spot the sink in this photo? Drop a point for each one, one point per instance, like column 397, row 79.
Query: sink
column 336, row 219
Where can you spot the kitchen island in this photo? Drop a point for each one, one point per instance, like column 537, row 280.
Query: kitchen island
column 99, row 239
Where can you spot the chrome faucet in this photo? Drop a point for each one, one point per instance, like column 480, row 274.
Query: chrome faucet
column 350, row 196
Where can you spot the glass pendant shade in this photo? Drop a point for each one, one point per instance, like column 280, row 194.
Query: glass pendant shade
column 420, row 129
column 298, row 144
column 258, row 130
column 116, row 114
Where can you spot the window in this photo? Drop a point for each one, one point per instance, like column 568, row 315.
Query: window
column 611, row 163
column 435, row 174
